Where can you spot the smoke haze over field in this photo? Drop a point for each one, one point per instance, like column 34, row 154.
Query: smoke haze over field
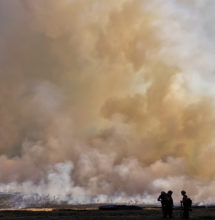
column 105, row 100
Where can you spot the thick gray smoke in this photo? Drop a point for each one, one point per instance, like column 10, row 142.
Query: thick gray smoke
column 107, row 101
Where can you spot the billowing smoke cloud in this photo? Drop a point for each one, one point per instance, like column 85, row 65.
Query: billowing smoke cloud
column 104, row 101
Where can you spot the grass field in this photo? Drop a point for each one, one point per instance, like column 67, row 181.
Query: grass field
column 93, row 214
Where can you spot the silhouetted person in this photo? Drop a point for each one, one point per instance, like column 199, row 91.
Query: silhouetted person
column 186, row 203
column 163, row 198
column 169, row 205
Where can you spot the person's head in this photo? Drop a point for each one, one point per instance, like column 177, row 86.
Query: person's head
column 170, row 192
column 163, row 193
column 183, row 193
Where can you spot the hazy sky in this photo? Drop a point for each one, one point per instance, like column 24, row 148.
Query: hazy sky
column 109, row 100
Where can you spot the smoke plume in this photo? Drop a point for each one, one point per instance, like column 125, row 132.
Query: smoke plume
column 107, row 101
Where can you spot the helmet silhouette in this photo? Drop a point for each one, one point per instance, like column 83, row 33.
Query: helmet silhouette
column 183, row 192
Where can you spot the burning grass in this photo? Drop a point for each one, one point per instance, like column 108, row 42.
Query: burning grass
column 88, row 213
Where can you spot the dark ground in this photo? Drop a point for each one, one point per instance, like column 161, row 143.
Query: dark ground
column 145, row 213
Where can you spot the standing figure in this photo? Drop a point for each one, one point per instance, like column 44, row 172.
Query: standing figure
column 186, row 203
column 170, row 204
column 163, row 199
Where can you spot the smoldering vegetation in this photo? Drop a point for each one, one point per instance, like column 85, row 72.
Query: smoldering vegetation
column 84, row 214
column 94, row 106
